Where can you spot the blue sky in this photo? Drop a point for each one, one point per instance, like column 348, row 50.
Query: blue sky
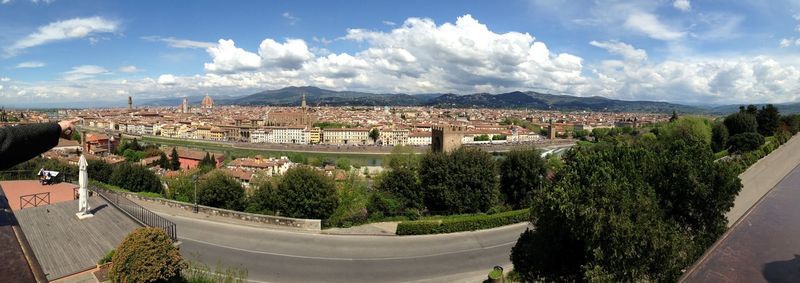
column 686, row 51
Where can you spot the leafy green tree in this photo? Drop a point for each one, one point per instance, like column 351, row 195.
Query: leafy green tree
column 135, row 178
column 581, row 134
column 306, row 193
column 264, row 197
column 621, row 213
column 521, row 172
column 719, row 137
column 674, row 116
column 745, row 142
column 687, row 127
column 751, row 109
column 741, row 122
column 463, row 181
column 146, row 255
column 374, row 135
column 99, row 170
column 163, row 161
column 790, row 123
column 174, row 160
column 133, row 155
column 403, row 184
column 343, row 163
column 402, row 157
column 768, row 119
column 217, row 189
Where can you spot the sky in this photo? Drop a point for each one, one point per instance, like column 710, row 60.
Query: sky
column 684, row 51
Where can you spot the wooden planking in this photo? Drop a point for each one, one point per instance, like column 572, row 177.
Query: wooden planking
column 63, row 244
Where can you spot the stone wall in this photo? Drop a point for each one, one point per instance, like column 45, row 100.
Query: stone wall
column 277, row 221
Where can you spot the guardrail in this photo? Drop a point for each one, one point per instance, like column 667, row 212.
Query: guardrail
column 34, row 200
column 137, row 212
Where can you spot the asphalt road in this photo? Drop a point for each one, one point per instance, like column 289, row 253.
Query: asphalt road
column 282, row 256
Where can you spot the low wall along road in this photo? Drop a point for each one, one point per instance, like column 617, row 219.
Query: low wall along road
column 763, row 175
column 312, row 225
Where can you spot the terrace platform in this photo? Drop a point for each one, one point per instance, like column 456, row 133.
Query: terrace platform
column 59, row 192
column 65, row 245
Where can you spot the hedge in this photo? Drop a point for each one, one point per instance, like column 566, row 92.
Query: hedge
column 462, row 223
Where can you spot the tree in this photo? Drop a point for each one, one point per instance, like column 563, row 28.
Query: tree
column 402, row 157
column 135, row 178
column 306, row 193
column 99, row 170
column 622, row 213
column 768, row 120
column 163, row 161
column 687, row 127
column 374, row 134
column 464, row 181
column 741, row 122
column 719, row 137
column 674, row 116
column 791, row 123
column 521, row 172
column 403, row 184
column 751, row 109
column 217, row 189
column 146, row 255
column 745, row 142
column 264, row 197
column 343, row 163
column 175, row 162
column 580, row 134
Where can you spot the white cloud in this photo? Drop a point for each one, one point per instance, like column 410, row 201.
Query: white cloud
column 63, row 30
column 292, row 19
column 129, row 69
column 682, row 5
column 84, row 72
column 389, row 23
column 6, row 1
column 167, row 79
column 228, row 58
column 30, row 64
column 625, row 50
column 649, row 25
column 786, row 42
column 289, row 55
column 5, row 79
column 180, row 43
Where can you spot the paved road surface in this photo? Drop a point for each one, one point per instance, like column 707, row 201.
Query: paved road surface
column 281, row 256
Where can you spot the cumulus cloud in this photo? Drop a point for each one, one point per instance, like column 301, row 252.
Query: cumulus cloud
column 84, row 72
column 683, row 5
column 228, row 58
column 129, row 69
column 649, row 25
column 289, row 55
column 389, row 23
column 627, row 51
column 30, row 65
column 180, row 43
column 167, row 79
column 63, row 30
column 5, row 1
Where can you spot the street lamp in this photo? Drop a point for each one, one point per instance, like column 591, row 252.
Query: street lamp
column 194, row 182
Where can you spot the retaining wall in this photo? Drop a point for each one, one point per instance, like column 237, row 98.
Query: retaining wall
column 277, row 221
column 760, row 177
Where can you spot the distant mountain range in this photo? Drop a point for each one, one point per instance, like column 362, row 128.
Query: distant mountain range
column 292, row 96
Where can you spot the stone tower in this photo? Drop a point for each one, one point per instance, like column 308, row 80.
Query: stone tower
column 303, row 103
column 185, row 105
column 446, row 138
column 551, row 130
column 130, row 103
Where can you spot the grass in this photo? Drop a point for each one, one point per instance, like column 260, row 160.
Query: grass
column 118, row 189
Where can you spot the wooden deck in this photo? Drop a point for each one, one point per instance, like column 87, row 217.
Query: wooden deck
column 13, row 264
column 65, row 245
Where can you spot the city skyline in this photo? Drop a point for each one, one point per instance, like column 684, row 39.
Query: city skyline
column 687, row 52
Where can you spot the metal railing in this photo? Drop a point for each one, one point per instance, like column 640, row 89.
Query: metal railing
column 34, row 200
column 137, row 212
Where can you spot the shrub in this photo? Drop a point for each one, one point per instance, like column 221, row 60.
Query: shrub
column 218, row 189
column 135, row 178
column 106, row 258
column 146, row 255
column 745, row 142
column 462, row 223
column 99, row 170
column 306, row 193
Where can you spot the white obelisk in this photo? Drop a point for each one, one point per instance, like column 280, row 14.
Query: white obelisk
column 83, row 191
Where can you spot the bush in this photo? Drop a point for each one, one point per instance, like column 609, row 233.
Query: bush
column 218, row 189
column 306, row 193
column 146, row 255
column 99, row 170
column 135, row 178
column 462, row 223
column 106, row 258
column 745, row 142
